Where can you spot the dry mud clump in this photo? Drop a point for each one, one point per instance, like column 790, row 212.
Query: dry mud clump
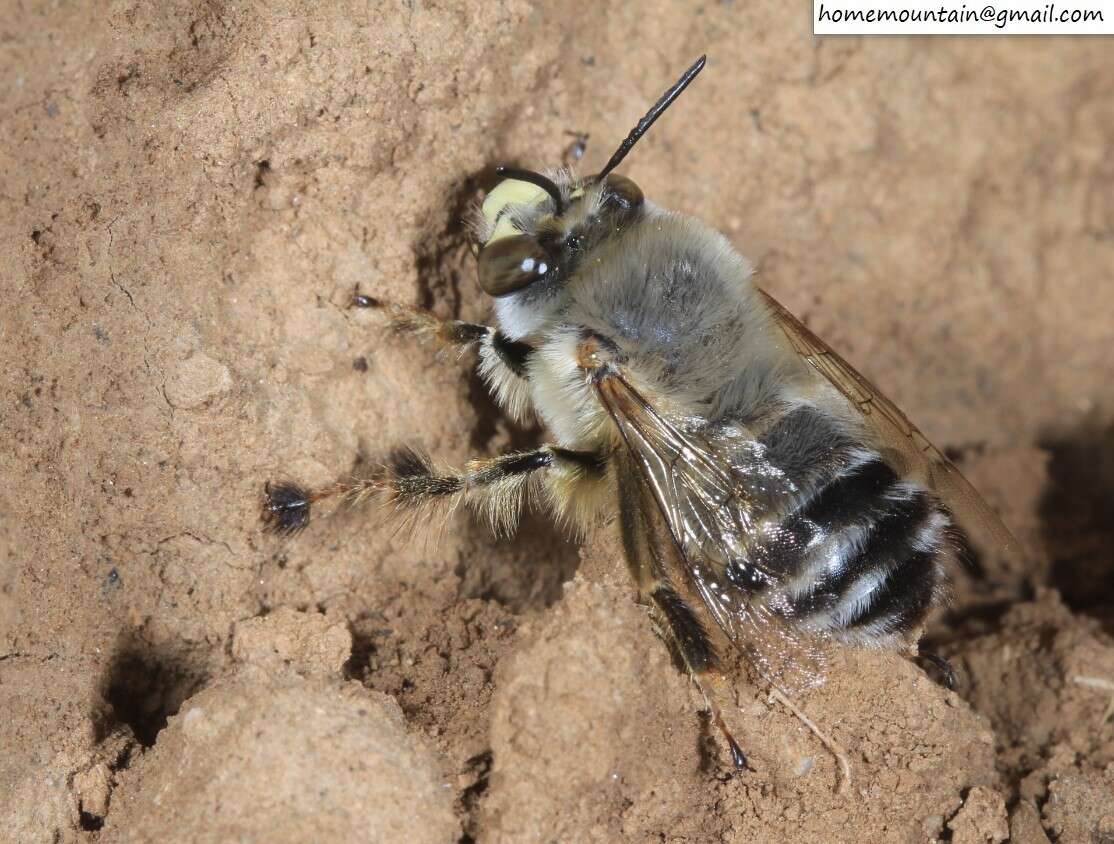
column 285, row 741
column 189, row 194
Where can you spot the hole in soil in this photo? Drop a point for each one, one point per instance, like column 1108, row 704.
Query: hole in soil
column 262, row 168
column 368, row 632
column 444, row 257
column 522, row 572
column 446, row 282
column 144, row 689
column 480, row 767
column 1076, row 512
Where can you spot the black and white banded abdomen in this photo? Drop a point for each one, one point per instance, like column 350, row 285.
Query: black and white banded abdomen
column 862, row 555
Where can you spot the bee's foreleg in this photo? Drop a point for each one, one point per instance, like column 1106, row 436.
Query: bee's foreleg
column 680, row 627
column 496, row 488
column 503, row 362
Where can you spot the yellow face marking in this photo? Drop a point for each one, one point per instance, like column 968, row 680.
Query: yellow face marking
column 509, row 192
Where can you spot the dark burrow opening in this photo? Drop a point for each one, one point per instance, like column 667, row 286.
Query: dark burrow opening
column 144, row 687
column 1077, row 519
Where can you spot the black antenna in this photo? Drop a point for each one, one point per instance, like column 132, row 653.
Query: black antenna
column 535, row 179
column 653, row 114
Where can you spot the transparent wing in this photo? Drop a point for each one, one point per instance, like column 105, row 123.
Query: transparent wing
column 715, row 496
column 896, row 433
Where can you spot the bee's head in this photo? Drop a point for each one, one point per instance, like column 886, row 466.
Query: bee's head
column 534, row 229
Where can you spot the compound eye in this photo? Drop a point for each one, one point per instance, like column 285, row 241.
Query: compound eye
column 623, row 191
column 511, row 263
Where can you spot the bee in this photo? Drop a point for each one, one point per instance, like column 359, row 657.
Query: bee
column 769, row 498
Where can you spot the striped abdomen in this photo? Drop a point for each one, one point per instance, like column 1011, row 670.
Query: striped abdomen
column 861, row 555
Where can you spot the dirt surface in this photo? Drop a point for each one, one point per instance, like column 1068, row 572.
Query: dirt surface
column 189, row 193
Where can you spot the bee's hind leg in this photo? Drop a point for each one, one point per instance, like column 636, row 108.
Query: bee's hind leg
column 679, row 626
column 683, row 631
column 838, row 752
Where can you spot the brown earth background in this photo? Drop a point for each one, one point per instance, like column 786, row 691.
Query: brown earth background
column 189, row 193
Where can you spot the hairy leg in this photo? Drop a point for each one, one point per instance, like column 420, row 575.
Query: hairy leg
column 496, row 488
